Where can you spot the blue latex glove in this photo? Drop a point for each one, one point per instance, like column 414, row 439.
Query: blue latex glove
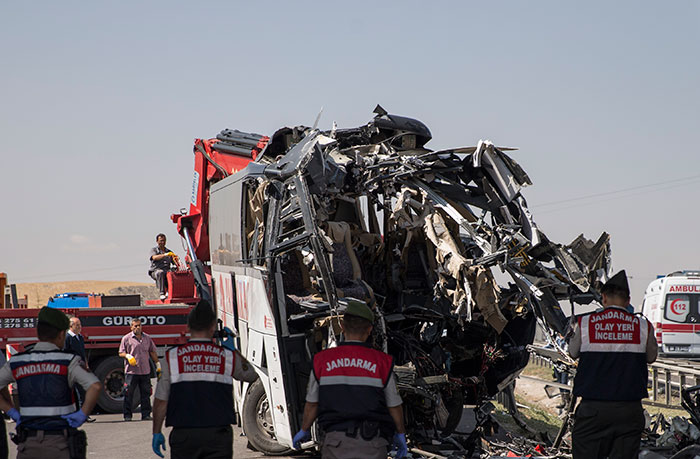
column 400, row 445
column 229, row 342
column 14, row 414
column 158, row 441
column 302, row 435
column 75, row 419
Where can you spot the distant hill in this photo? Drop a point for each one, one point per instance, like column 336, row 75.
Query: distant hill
column 38, row 293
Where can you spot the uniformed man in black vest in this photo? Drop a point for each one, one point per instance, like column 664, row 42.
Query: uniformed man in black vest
column 45, row 377
column 195, row 393
column 352, row 391
column 613, row 347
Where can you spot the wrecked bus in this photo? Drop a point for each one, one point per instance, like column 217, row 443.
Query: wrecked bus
column 672, row 304
column 372, row 213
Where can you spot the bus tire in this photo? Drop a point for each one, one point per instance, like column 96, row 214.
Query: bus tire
column 110, row 372
column 257, row 422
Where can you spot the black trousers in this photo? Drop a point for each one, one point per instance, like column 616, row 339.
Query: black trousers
column 201, row 442
column 143, row 382
column 4, row 452
column 607, row 429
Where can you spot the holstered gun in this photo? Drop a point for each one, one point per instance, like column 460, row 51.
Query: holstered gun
column 77, row 444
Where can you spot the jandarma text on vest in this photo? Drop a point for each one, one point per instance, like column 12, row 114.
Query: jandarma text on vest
column 348, row 362
column 200, row 347
column 40, row 368
column 613, row 315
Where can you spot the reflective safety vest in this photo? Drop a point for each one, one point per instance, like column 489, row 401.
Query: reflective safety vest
column 612, row 365
column 351, row 379
column 201, row 385
column 44, row 392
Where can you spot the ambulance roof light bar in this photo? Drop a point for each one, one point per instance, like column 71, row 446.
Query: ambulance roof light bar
column 684, row 273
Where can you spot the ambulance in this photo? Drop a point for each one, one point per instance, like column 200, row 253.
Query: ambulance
column 672, row 305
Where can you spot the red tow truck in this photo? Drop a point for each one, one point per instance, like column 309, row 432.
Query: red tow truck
column 103, row 329
column 165, row 321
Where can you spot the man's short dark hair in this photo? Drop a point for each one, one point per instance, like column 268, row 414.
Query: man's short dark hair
column 135, row 319
column 355, row 325
column 46, row 332
column 161, row 235
column 202, row 317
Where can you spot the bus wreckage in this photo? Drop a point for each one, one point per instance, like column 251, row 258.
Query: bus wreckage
column 371, row 213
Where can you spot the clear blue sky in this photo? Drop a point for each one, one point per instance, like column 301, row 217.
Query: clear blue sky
column 100, row 103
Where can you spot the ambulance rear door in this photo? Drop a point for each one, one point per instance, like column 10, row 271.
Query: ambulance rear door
column 681, row 319
column 653, row 307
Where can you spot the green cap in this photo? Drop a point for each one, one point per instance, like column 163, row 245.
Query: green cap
column 359, row 309
column 54, row 317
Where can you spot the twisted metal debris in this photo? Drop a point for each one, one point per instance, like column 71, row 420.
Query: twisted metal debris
column 371, row 212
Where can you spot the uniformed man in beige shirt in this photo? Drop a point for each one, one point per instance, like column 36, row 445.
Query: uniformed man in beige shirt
column 45, row 377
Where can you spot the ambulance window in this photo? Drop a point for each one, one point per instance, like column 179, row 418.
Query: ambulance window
column 678, row 308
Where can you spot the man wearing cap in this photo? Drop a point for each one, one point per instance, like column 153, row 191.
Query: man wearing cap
column 352, row 391
column 45, row 377
column 195, row 393
column 613, row 347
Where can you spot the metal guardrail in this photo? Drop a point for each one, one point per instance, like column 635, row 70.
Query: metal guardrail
column 666, row 380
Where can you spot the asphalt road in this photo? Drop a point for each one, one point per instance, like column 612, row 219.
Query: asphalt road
column 109, row 437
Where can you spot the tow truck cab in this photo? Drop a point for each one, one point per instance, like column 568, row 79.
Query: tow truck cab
column 672, row 304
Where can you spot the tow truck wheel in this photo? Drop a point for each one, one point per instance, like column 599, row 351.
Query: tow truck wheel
column 257, row 422
column 110, row 372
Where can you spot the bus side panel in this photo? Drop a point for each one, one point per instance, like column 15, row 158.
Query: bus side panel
column 224, row 294
column 263, row 347
column 278, row 406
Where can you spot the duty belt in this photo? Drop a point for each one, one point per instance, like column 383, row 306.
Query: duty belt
column 367, row 430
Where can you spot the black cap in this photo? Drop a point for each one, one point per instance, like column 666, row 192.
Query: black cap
column 201, row 316
column 617, row 283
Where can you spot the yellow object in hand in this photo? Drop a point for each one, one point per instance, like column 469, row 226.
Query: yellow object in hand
column 171, row 254
column 131, row 359
column 159, row 371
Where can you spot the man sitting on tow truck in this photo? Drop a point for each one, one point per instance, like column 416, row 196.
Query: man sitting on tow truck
column 161, row 260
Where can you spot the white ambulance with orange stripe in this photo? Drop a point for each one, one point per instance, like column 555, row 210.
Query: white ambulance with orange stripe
column 672, row 305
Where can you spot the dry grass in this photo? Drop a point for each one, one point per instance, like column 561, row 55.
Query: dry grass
column 537, row 371
column 536, row 417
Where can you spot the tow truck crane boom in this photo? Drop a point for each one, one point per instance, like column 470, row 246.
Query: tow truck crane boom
column 215, row 159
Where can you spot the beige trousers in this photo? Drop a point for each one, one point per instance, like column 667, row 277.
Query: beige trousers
column 43, row 447
column 337, row 445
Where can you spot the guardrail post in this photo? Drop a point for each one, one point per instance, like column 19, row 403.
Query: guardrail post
column 667, row 375
column 654, row 383
column 682, row 377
